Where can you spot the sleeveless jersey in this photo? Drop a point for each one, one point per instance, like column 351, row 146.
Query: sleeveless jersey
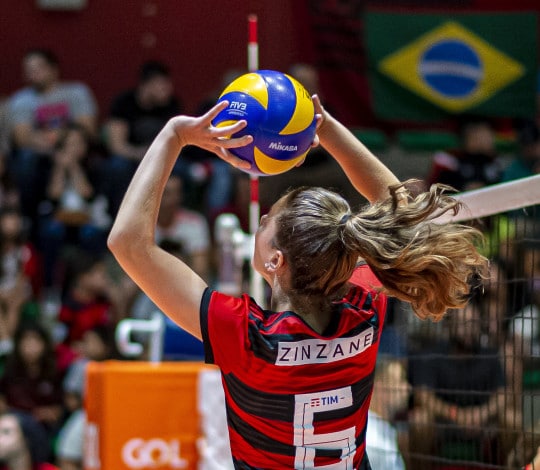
column 295, row 398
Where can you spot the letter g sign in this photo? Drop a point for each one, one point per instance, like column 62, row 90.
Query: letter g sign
column 154, row 453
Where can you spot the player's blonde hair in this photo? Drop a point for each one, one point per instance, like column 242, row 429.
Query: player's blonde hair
column 429, row 265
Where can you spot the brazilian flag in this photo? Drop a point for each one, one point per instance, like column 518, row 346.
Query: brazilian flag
column 426, row 67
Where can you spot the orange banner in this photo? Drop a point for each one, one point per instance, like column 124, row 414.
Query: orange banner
column 142, row 415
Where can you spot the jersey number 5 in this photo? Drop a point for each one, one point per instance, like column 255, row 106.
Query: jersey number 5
column 307, row 440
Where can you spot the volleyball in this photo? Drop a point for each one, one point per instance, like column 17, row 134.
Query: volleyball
column 280, row 116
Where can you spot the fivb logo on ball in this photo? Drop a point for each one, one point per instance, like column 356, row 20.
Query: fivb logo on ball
column 280, row 116
column 452, row 67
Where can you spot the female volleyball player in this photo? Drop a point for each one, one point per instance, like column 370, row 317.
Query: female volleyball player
column 298, row 377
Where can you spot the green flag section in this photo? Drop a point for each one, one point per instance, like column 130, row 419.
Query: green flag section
column 425, row 67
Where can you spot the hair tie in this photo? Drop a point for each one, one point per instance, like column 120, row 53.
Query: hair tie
column 344, row 219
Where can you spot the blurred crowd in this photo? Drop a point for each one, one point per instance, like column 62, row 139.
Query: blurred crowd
column 63, row 173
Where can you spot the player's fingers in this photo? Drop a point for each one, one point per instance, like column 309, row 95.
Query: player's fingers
column 300, row 162
column 226, row 131
column 317, row 104
column 235, row 142
column 231, row 159
column 214, row 111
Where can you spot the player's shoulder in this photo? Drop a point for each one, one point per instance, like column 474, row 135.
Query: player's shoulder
column 364, row 277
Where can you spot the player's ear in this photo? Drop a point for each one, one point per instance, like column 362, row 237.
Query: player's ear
column 275, row 262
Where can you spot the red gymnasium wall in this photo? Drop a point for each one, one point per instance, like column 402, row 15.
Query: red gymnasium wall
column 104, row 43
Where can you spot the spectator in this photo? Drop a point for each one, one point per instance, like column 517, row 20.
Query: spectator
column 20, row 255
column 525, row 325
column 240, row 202
column 38, row 113
column 240, row 206
column 32, row 382
column 9, row 195
column 97, row 345
column 390, row 395
column 21, row 443
column 73, row 212
column 465, row 411
column 475, row 164
column 20, row 279
column 90, row 298
column 5, row 140
column 184, row 226
column 208, row 181
column 534, row 464
column 135, row 118
column 526, row 162
column 526, row 450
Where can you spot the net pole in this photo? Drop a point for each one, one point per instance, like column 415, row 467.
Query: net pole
column 256, row 282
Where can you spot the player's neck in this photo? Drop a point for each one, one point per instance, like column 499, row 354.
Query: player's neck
column 317, row 313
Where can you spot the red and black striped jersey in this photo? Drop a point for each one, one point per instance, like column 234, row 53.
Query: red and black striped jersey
column 295, row 398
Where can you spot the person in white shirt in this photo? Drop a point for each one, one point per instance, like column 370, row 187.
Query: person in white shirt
column 185, row 226
column 390, row 394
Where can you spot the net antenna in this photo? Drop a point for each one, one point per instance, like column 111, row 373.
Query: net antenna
column 495, row 199
column 255, row 280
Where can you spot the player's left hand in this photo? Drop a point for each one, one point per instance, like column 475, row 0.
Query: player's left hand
column 199, row 131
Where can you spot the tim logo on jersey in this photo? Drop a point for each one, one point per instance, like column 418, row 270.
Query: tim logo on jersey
column 319, row 351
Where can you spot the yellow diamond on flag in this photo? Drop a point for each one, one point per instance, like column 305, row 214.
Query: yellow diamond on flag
column 452, row 67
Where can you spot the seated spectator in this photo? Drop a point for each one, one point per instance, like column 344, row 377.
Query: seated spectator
column 390, row 395
column 9, row 194
column 22, row 443
column 5, row 140
column 90, row 298
column 184, row 226
column 526, row 162
column 239, row 204
column 474, row 164
column 208, row 180
column 525, row 453
column 135, row 118
column 466, row 413
column 534, row 464
column 38, row 113
column 524, row 327
column 20, row 272
column 308, row 76
column 97, row 345
column 72, row 212
column 31, row 381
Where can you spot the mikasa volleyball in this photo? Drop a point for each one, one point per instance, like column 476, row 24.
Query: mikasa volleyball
column 280, row 116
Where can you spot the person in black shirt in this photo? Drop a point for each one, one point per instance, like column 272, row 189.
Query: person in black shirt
column 135, row 118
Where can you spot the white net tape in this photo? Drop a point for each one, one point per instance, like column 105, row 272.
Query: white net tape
column 496, row 199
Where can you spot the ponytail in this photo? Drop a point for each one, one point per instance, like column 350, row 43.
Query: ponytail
column 432, row 266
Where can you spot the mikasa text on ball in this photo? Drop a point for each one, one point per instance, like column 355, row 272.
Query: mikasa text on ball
column 280, row 116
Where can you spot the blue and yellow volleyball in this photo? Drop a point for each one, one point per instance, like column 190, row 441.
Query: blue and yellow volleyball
column 280, row 116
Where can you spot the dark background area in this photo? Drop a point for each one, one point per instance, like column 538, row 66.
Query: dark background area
column 104, row 43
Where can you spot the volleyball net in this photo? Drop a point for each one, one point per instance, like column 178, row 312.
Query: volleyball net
column 475, row 376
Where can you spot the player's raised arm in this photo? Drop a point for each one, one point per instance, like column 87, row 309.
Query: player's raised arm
column 170, row 283
column 366, row 172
